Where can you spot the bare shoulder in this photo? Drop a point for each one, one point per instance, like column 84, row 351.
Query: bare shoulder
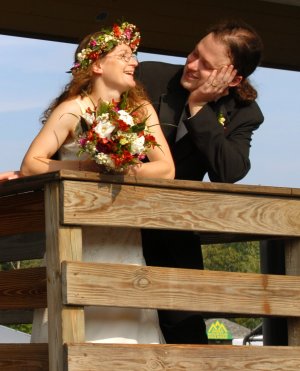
column 69, row 106
column 66, row 113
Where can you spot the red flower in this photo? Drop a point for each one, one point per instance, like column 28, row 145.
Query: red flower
column 93, row 56
column 122, row 125
column 116, row 30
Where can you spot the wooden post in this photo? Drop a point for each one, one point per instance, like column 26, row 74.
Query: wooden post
column 292, row 267
column 66, row 324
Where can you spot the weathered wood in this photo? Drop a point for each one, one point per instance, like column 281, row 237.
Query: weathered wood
column 37, row 182
column 9, row 317
column 183, row 289
column 233, row 212
column 65, row 324
column 292, row 267
column 179, row 184
column 24, row 357
column 148, row 207
column 28, row 183
column 25, row 246
column 23, row 288
column 22, row 213
column 112, row 357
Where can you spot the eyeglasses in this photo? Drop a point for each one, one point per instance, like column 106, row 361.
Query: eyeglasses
column 125, row 57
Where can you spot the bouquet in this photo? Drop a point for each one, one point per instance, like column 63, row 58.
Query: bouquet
column 114, row 136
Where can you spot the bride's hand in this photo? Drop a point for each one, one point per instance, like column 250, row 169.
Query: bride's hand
column 8, row 175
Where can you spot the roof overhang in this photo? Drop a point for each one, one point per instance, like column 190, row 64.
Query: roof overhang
column 166, row 27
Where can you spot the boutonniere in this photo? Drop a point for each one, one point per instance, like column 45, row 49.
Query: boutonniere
column 221, row 119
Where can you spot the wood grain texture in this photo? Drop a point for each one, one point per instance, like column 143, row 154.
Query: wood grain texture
column 37, row 182
column 147, row 207
column 179, row 184
column 292, row 267
column 184, row 289
column 112, row 357
column 67, row 324
column 22, row 213
column 24, row 357
column 23, row 288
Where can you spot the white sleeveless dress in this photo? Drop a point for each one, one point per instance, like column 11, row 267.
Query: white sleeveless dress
column 108, row 324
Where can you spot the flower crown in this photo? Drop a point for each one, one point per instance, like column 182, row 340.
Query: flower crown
column 125, row 33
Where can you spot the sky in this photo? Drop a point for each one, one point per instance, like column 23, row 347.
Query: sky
column 33, row 72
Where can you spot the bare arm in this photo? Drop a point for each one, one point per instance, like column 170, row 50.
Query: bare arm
column 53, row 134
column 8, row 175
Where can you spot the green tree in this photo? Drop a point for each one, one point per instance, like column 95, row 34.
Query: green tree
column 234, row 257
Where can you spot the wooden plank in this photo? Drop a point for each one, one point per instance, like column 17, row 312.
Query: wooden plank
column 22, row 213
column 292, row 267
column 37, row 182
column 22, row 246
column 180, row 184
column 27, row 183
column 67, row 324
column 37, row 20
column 112, row 357
column 9, row 317
column 183, row 289
column 23, row 288
column 25, row 357
column 148, row 207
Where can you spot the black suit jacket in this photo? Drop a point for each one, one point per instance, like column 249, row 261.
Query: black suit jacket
column 209, row 147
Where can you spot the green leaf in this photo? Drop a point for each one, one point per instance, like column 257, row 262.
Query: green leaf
column 138, row 127
column 103, row 107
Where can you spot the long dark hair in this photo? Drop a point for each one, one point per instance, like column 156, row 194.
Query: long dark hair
column 245, row 49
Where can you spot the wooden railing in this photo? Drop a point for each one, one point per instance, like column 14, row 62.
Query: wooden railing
column 50, row 209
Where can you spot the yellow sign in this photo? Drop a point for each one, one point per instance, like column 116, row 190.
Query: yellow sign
column 217, row 330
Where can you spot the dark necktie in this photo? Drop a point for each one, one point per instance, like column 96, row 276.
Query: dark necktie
column 181, row 128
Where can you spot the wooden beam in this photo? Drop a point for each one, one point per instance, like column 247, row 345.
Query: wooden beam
column 67, row 324
column 23, row 246
column 174, row 32
column 112, row 357
column 182, row 289
column 23, row 288
column 292, row 268
column 9, row 317
column 22, row 213
column 17, row 357
column 148, row 207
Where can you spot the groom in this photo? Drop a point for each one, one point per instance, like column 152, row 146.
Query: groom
column 212, row 103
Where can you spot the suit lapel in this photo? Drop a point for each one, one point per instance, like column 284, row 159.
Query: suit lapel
column 171, row 107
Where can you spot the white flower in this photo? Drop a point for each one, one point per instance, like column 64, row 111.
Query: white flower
column 104, row 159
column 126, row 117
column 104, row 128
column 137, row 146
column 108, row 38
column 88, row 117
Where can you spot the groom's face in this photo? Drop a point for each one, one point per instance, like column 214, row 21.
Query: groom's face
column 208, row 55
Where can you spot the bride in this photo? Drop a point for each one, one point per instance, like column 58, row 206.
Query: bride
column 103, row 72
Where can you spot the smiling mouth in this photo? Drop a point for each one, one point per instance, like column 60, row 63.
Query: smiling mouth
column 190, row 76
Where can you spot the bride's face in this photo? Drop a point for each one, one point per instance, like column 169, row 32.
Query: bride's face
column 118, row 68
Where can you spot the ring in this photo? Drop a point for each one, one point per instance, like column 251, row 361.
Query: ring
column 213, row 84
